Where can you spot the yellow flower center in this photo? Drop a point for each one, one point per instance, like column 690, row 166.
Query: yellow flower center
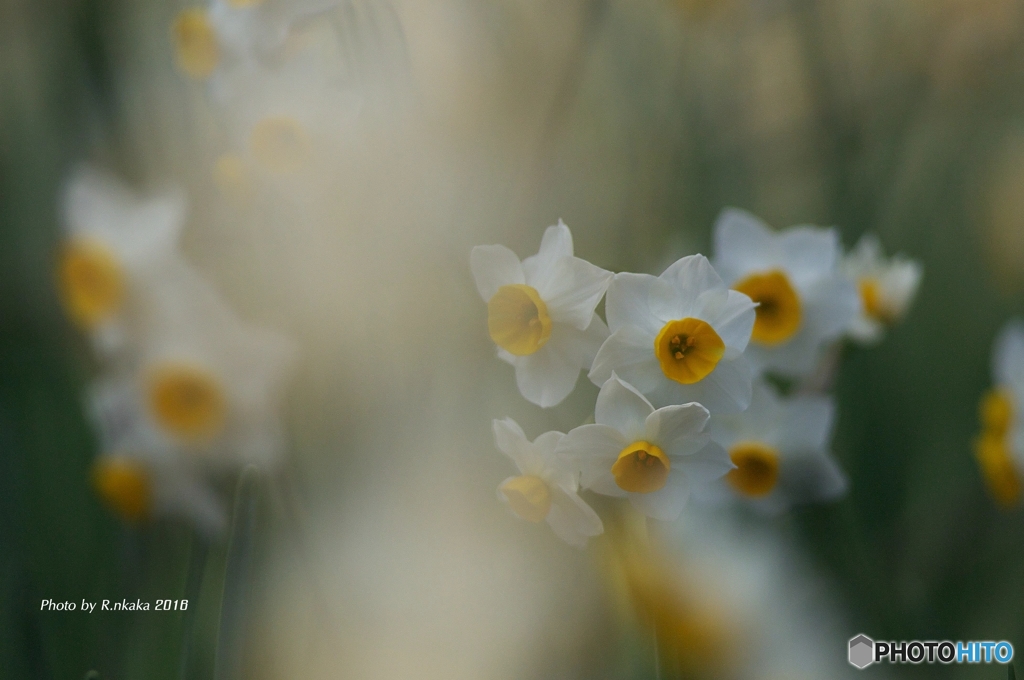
column 528, row 496
column 91, row 282
column 187, row 401
column 232, row 178
column 873, row 301
column 641, row 467
column 195, row 43
column 124, row 486
column 688, row 350
column 280, row 144
column 757, row 469
column 518, row 320
column 778, row 311
column 998, row 470
column 996, row 412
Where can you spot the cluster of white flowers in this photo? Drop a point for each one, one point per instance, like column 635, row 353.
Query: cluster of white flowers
column 688, row 366
column 276, row 84
column 188, row 391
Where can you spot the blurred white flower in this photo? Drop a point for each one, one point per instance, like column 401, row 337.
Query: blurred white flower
column 210, row 382
column 887, row 287
column 678, row 337
column 653, row 457
column 804, row 300
column 116, row 242
column 540, row 313
column 278, row 116
column 780, row 447
column 999, row 449
column 781, row 612
column 141, row 475
column 233, row 35
column 545, row 489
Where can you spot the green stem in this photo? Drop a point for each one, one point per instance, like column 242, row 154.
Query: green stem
column 238, row 577
column 199, row 552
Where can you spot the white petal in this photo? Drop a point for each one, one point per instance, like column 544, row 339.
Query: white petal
column 1008, row 355
column 546, row 443
column 728, row 387
column 621, row 406
column 554, row 245
column 813, row 478
column 593, row 449
column 626, row 303
column 732, row 315
column 573, row 291
column 830, row 306
column 807, row 424
column 140, row 229
column 900, row 284
column 809, row 252
column 793, row 359
column 494, row 267
column 724, row 390
column 704, row 466
column 667, row 503
column 511, row 440
column 628, row 352
column 742, row 244
column 547, row 376
column 667, row 302
column 691, row 276
column 679, row 430
column 865, row 331
column 572, row 519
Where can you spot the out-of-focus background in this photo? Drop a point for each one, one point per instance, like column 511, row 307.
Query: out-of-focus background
column 635, row 121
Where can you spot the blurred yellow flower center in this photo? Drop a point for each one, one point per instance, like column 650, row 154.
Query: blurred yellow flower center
column 528, row 496
column 998, row 469
column 518, row 320
column 641, row 467
column 124, row 486
column 996, row 412
column 873, row 301
column 778, row 311
column 195, row 43
column 280, row 144
column 757, row 468
column 91, row 282
column 232, row 178
column 187, row 401
column 688, row 350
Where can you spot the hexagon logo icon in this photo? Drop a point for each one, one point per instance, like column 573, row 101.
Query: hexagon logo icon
column 862, row 651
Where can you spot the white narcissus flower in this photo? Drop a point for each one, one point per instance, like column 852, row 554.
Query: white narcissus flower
column 655, row 458
column 140, row 474
column 116, row 242
column 540, row 313
column 678, row 337
column 545, row 490
column 209, row 382
column 1000, row 447
column 780, row 447
column 804, row 299
column 887, row 287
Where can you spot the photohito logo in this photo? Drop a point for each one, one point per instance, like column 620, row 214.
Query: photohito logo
column 863, row 651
